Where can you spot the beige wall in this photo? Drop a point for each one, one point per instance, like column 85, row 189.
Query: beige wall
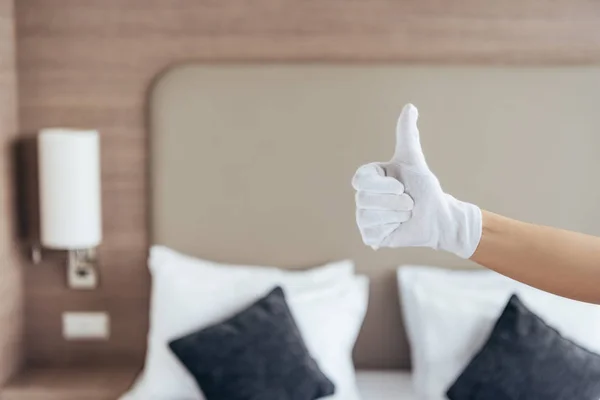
column 10, row 269
column 90, row 63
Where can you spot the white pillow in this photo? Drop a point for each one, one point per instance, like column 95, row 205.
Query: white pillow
column 329, row 320
column 449, row 315
column 328, row 303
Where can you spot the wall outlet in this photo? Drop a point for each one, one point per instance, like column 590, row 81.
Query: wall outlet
column 82, row 276
column 86, row 325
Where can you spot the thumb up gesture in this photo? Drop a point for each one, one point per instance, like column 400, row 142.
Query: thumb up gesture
column 400, row 203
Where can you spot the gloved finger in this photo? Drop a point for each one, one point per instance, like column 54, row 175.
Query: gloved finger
column 408, row 145
column 386, row 241
column 384, row 201
column 376, row 235
column 373, row 218
column 371, row 178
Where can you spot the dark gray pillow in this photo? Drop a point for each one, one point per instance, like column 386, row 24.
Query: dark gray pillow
column 525, row 359
column 256, row 354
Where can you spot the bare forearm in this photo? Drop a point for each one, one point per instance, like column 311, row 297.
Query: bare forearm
column 558, row 261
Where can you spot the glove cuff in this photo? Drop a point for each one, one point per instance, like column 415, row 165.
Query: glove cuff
column 466, row 221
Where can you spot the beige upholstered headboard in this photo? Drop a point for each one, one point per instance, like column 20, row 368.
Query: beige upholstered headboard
column 253, row 163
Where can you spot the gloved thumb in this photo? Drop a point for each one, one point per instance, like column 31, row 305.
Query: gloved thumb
column 408, row 145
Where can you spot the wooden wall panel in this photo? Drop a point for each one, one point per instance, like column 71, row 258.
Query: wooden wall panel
column 11, row 312
column 91, row 63
column 95, row 383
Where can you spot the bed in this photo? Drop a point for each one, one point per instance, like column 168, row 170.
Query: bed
column 386, row 385
column 251, row 165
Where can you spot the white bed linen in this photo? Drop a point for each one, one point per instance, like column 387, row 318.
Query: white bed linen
column 449, row 314
column 328, row 304
column 385, row 385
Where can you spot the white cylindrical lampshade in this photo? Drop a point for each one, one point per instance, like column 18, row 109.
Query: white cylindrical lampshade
column 69, row 176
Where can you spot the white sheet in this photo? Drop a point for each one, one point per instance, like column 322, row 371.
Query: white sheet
column 385, row 385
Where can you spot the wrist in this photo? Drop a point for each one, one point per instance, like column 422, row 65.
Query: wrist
column 463, row 230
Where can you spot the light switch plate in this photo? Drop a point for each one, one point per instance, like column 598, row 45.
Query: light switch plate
column 86, row 325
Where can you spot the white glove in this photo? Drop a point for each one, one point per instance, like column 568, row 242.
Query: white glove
column 401, row 203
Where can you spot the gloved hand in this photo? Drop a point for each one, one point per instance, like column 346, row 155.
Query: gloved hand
column 401, row 203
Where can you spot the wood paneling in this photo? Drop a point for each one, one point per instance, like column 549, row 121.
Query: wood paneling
column 11, row 312
column 91, row 63
column 70, row 384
